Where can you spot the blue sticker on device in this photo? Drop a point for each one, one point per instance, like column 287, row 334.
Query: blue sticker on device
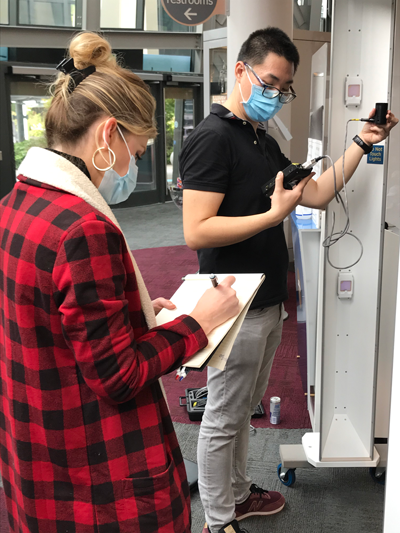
column 375, row 157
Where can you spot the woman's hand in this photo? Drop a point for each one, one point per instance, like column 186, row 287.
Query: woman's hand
column 217, row 305
column 161, row 303
column 374, row 133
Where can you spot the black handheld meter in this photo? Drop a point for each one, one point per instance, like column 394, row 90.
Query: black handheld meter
column 292, row 175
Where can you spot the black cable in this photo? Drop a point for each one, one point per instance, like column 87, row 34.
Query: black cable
column 200, row 397
column 201, row 392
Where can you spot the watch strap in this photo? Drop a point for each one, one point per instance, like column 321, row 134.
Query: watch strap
column 366, row 147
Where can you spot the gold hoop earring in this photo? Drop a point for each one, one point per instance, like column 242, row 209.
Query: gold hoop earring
column 111, row 165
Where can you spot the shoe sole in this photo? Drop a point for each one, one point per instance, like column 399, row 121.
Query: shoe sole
column 238, row 518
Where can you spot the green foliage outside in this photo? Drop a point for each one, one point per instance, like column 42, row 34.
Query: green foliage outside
column 35, row 117
column 20, row 149
column 169, row 126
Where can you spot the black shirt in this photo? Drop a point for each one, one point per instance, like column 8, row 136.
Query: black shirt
column 224, row 154
column 77, row 161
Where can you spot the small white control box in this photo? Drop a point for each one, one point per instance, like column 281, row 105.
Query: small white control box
column 353, row 91
column 345, row 285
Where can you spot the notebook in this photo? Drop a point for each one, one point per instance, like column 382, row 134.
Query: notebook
column 221, row 339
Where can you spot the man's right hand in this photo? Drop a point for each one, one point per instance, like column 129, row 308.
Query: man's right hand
column 217, row 305
column 283, row 201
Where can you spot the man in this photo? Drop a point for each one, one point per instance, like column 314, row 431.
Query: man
column 235, row 228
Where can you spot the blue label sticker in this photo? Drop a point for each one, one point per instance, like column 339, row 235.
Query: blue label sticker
column 375, row 157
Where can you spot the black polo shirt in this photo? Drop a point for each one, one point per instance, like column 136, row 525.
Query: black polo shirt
column 224, row 154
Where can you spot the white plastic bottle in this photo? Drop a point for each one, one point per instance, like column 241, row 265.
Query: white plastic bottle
column 303, row 213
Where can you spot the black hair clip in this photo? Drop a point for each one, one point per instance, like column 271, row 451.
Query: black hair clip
column 77, row 76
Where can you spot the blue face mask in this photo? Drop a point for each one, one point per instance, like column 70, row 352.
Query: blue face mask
column 258, row 107
column 115, row 188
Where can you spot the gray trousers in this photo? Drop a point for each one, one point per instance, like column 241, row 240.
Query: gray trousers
column 233, row 395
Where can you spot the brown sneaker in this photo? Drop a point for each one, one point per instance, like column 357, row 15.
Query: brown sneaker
column 260, row 502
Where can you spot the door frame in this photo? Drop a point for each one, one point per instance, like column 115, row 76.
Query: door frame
column 7, row 164
column 158, row 82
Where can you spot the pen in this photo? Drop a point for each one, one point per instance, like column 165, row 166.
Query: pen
column 181, row 373
column 214, row 280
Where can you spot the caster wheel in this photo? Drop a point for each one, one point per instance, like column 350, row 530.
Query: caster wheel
column 288, row 478
column 378, row 477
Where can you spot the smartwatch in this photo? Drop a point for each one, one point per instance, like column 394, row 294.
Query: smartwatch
column 366, row 147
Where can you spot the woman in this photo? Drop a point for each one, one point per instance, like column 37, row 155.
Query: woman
column 86, row 439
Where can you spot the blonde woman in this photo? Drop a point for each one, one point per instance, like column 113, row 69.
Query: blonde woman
column 87, row 443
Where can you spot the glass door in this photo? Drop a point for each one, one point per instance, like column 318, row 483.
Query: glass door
column 24, row 102
column 215, row 68
column 29, row 103
column 151, row 176
column 178, row 111
column 179, row 123
column 183, row 111
column 218, row 75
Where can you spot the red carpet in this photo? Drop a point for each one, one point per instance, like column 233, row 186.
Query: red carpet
column 162, row 270
column 3, row 513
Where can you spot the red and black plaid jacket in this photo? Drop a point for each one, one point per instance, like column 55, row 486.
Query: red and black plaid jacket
column 86, row 439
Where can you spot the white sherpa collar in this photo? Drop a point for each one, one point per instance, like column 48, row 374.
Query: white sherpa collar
column 52, row 169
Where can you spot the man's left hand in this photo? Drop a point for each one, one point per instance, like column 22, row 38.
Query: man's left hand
column 161, row 303
column 374, row 133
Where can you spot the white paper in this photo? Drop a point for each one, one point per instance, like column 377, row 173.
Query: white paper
column 186, row 298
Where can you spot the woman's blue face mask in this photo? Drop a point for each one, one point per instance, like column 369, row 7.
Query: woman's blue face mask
column 258, row 107
column 115, row 188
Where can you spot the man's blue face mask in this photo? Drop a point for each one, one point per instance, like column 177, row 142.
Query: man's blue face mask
column 258, row 107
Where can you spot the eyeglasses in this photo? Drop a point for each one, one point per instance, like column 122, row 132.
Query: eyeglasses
column 269, row 91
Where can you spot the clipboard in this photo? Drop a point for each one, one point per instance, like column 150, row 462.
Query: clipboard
column 221, row 338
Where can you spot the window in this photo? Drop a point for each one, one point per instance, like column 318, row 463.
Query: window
column 145, row 15
column 4, row 14
column 29, row 104
column 47, row 12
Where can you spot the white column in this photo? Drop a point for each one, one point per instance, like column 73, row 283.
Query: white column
column 91, row 15
column 391, row 521
column 251, row 15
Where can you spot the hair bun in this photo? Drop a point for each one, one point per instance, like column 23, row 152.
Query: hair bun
column 89, row 48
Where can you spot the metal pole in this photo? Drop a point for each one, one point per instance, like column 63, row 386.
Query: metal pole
column 91, row 15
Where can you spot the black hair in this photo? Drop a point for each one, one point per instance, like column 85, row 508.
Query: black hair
column 261, row 42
